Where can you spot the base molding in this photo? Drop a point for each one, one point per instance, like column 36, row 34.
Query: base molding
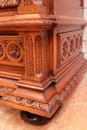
column 46, row 109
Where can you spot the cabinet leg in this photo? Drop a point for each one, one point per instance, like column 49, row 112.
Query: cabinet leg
column 34, row 119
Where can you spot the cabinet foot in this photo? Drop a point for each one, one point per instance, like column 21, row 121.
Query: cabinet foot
column 34, row 119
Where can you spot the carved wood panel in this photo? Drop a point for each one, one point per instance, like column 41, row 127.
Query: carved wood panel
column 70, row 44
column 37, row 55
column 11, row 50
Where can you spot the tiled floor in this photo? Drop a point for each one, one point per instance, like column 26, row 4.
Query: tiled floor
column 72, row 116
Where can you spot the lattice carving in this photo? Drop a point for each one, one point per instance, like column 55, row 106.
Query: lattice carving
column 70, row 45
column 38, row 56
column 30, row 56
column 65, row 48
column 9, row 3
column 76, row 43
column 57, row 99
column 80, row 41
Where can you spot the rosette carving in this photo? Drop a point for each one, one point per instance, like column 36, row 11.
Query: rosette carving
column 14, row 51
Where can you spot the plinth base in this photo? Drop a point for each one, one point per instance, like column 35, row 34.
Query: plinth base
column 34, row 119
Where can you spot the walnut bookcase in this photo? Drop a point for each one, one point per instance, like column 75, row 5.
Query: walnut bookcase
column 41, row 61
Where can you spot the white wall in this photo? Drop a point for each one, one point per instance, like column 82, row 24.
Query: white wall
column 85, row 31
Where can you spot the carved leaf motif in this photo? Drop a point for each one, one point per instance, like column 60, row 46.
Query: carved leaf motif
column 38, row 56
column 45, row 54
column 30, row 56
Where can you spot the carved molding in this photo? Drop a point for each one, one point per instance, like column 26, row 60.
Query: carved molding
column 57, row 99
column 42, row 22
column 6, row 89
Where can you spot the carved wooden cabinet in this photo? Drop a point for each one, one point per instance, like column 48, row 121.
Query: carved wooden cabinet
column 40, row 54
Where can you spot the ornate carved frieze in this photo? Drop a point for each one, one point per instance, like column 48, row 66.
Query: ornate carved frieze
column 9, row 3
column 57, row 99
column 70, row 44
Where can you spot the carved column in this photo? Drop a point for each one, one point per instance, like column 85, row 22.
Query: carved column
column 36, row 55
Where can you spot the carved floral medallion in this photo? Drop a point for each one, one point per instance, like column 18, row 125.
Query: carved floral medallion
column 14, row 51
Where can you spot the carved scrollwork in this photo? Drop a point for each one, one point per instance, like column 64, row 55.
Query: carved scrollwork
column 14, row 51
column 6, row 89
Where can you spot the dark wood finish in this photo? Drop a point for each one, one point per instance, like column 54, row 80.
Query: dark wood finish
column 41, row 61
